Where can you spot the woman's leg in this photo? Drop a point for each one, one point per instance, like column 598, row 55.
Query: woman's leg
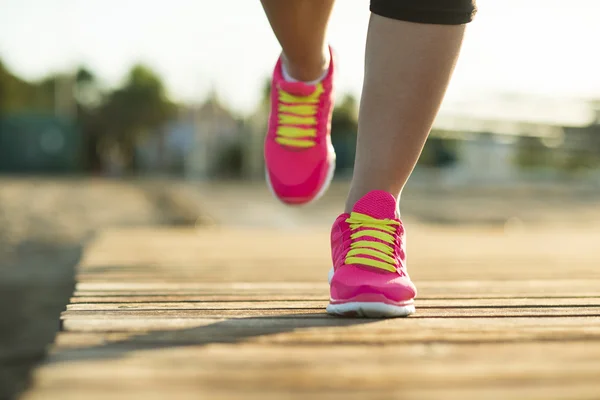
column 299, row 158
column 300, row 27
column 407, row 69
column 412, row 47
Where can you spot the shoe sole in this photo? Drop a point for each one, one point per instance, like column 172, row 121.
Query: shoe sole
column 326, row 184
column 371, row 309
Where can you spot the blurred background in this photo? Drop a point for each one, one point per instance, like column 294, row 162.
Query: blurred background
column 153, row 113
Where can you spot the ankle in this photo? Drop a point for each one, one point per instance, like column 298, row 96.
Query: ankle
column 306, row 69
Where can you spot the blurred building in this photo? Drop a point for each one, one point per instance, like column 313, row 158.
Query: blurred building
column 198, row 144
column 510, row 139
column 499, row 141
column 216, row 141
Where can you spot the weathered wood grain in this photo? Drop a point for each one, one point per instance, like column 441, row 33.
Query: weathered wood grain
column 177, row 314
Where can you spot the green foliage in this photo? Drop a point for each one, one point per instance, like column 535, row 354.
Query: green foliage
column 344, row 121
column 84, row 76
column 439, row 152
column 138, row 106
column 17, row 95
column 230, row 161
column 134, row 110
column 87, row 90
column 344, row 126
column 117, row 118
column 580, row 161
column 532, row 154
column 266, row 91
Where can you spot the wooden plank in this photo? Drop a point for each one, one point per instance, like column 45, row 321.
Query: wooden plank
column 434, row 253
column 325, row 367
column 140, row 287
column 427, row 289
column 215, row 304
column 178, row 298
column 319, row 312
column 532, row 391
column 411, row 329
column 295, row 296
column 257, row 297
column 326, row 332
column 303, row 271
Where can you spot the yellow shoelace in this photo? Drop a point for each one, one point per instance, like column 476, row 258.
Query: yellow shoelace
column 382, row 229
column 294, row 111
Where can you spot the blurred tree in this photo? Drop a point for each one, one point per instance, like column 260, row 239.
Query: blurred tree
column 89, row 97
column 345, row 118
column 439, row 151
column 116, row 119
column 266, row 91
column 45, row 96
column 18, row 95
column 15, row 94
column 87, row 90
column 140, row 107
column 532, row 154
column 344, row 126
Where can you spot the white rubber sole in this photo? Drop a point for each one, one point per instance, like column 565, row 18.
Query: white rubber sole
column 370, row 309
column 328, row 179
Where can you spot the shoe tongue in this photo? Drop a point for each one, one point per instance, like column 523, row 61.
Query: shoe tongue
column 299, row 89
column 377, row 204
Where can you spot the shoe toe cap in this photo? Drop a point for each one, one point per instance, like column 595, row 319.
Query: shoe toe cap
column 351, row 281
column 298, row 183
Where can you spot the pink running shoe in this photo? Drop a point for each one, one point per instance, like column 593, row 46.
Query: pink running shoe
column 299, row 156
column 369, row 277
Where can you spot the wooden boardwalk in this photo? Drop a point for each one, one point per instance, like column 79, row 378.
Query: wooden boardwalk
column 220, row 313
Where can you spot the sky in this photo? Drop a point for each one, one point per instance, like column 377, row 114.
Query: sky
column 542, row 47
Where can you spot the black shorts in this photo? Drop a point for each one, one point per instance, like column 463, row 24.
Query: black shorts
column 444, row 12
